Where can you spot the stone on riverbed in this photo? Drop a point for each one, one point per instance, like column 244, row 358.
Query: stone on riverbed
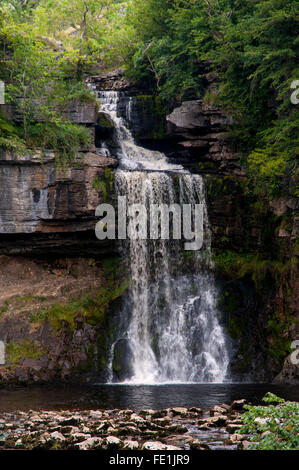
column 57, row 437
column 126, row 412
column 213, row 421
column 95, row 414
column 216, row 410
column 159, row 414
column 131, row 445
column 195, row 444
column 80, row 436
column 182, row 412
column 89, row 444
column 162, row 421
column 113, row 442
column 195, row 410
column 147, row 412
column 154, row 445
column 232, row 428
column 238, row 405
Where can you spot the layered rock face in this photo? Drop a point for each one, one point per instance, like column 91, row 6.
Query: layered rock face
column 48, row 209
column 203, row 143
column 39, row 349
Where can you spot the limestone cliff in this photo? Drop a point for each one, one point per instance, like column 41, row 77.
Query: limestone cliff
column 45, row 208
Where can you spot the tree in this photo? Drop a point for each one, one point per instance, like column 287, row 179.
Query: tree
column 79, row 24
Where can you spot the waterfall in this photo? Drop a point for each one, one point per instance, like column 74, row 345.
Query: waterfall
column 169, row 320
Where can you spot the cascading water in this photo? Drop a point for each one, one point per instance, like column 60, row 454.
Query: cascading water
column 169, row 319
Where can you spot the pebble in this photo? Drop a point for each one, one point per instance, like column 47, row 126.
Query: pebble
column 176, row 428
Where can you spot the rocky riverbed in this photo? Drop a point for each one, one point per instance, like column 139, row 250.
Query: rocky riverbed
column 168, row 429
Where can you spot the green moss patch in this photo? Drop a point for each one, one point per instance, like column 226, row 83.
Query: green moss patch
column 92, row 307
column 26, row 348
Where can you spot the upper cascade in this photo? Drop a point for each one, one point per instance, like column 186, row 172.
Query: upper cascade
column 130, row 155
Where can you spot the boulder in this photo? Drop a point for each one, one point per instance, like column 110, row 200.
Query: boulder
column 89, row 444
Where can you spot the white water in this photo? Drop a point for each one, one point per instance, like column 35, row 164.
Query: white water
column 132, row 156
column 169, row 319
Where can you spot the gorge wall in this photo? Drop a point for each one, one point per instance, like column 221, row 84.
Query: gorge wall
column 50, row 255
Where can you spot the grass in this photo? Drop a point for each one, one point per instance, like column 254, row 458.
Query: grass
column 92, row 308
column 272, row 427
column 242, row 265
column 26, row 348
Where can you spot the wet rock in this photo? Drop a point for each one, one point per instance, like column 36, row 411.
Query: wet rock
column 69, row 430
column 89, row 444
column 162, row 421
column 103, row 427
column 128, row 431
column 126, row 412
column 195, row 410
column 289, row 373
column 197, row 445
column 177, row 428
column 147, row 412
column 48, row 195
column 44, row 441
column 123, row 359
column 112, row 430
column 137, row 419
column 235, row 420
column 236, row 438
column 182, row 412
column 204, row 427
column 216, row 410
column 80, row 437
column 159, row 414
column 19, row 444
column 238, row 405
column 126, row 423
column 131, row 445
column 232, row 428
column 95, row 415
column 113, row 442
column 225, row 406
column 213, row 421
column 244, row 445
column 73, row 421
column 57, row 437
column 114, row 80
column 148, row 433
column 170, row 447
column 21, row 374
column 154, row 445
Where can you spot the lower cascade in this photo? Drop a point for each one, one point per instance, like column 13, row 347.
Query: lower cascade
column 169, row 329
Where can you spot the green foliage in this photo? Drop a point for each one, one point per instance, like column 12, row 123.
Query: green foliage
column 26, row 348
column 105, row 185
column 4, row 307
column 272, row 398
column 252, row 45
column 272, row 427
column 80, row 25
column 40, row 82
column 9, row 138
column 279, row 327
column 154, row 108
column 46, row 47
column 93, row 307
column 251, row 266
column 264, row 275
column 62, row 136
column 236, row 327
